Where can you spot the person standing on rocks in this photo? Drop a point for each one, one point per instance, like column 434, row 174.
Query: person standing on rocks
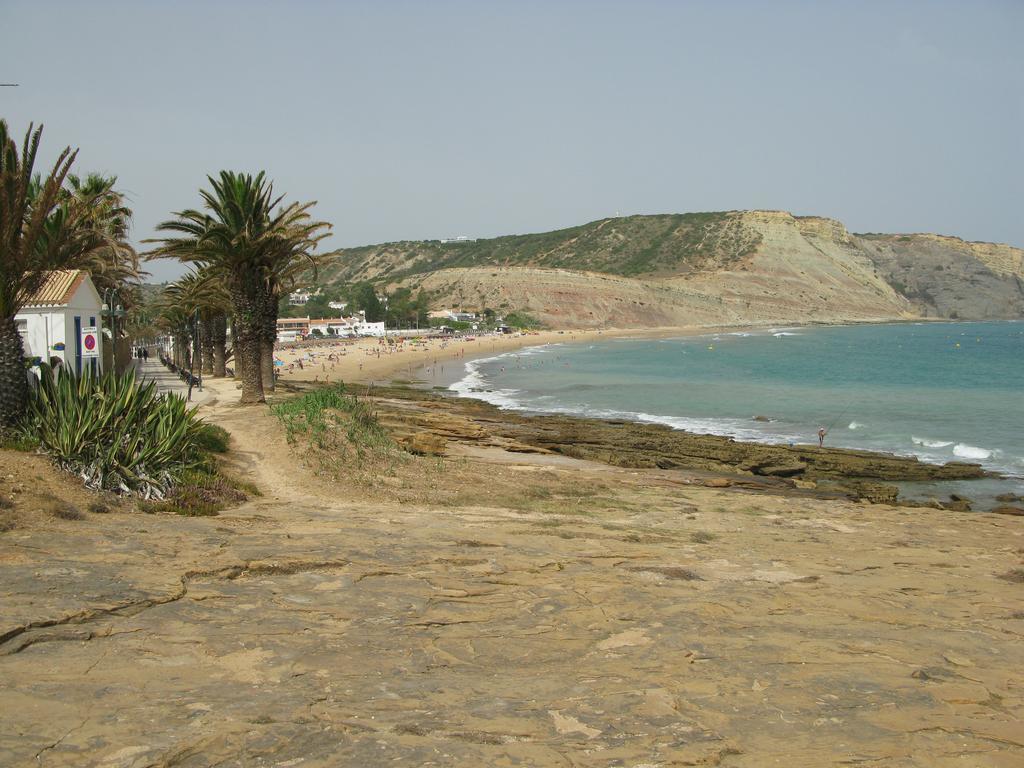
column 821, row 436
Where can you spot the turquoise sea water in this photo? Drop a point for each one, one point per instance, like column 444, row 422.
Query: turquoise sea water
column 940, row 391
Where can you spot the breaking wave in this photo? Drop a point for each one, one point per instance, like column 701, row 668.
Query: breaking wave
column 926, row 443
column 965, row 451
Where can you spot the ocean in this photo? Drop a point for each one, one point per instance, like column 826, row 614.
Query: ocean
column 938, row 391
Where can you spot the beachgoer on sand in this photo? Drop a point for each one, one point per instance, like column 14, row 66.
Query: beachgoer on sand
column 821, row 436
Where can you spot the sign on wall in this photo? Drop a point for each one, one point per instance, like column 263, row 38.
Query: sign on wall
column 90, row 342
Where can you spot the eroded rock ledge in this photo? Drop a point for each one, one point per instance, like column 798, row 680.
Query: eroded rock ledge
column 426, row 421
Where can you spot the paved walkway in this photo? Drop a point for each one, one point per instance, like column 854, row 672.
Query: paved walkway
column 153, row 370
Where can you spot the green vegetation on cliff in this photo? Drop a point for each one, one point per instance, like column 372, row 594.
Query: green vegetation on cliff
column 629, row 246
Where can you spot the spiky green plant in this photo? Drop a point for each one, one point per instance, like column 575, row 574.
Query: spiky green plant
column 114, row 431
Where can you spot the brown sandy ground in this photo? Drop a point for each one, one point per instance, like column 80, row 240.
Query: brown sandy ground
column 503, row 609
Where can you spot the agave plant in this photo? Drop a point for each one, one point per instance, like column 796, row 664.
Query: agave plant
column 114, row 431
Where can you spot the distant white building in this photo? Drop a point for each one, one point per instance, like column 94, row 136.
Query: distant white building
column 295, row 328
column 451, row 314
column 338, row 305
column 52, row 320
column 298, row 298
column 459, row 239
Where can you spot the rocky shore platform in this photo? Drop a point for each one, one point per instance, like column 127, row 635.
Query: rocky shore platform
column 503, row 599
column 428, row 421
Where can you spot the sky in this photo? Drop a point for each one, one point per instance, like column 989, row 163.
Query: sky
column 414, row 120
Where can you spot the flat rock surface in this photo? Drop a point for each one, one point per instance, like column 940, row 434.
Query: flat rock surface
column 655, row 624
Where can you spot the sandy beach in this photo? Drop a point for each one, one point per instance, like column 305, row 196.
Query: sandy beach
column 374, row 360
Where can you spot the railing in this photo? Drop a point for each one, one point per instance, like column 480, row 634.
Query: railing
column 184, row 374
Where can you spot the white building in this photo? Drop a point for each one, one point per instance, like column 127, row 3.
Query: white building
column 338, row 305
column 295, row 328
column 451, row 314
column 52, row 320
column 298, row 298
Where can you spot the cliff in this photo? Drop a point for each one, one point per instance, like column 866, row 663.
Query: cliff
column 732, row 267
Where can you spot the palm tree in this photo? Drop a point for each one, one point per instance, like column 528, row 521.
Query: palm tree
column 35, row 237
column 176, row 322
column 200, row 298
column 230, row 240
column 242, row 241
column 292, row 260
column 114, row 263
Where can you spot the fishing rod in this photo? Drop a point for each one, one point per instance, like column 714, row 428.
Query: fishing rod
column 837, row 418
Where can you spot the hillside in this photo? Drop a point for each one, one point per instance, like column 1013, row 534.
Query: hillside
column 680, row 269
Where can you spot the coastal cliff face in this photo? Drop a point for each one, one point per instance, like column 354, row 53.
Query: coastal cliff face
column 950, row 278
column 736, row 267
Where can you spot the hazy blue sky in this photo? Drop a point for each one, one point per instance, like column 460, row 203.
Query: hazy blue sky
column 432, row 119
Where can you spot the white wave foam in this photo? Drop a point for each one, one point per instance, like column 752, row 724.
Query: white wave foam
column 924, row 441
column 965, row 451
column 855, row 425
column 785, row 333
column 476, row 386
column 473, row 384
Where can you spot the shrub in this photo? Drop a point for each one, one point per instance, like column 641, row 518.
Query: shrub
column 66, row 511
column 202, row 494
column 522, row 320
column 213, row 438
column 115, row 432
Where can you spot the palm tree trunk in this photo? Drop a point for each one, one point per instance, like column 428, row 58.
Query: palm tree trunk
column 267, row 364
column 13, row 379
column 219, row 339
column 206, row 338
column 247, row 347
column 247, row 368
column 268, row 336
column 234, row 343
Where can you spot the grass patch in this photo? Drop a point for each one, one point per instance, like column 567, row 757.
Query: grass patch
column 18, row 441
column 702, row 537
column 339, row 430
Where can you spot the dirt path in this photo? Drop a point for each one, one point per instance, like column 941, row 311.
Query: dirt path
column 585, row 620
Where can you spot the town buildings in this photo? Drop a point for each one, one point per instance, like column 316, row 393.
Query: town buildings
column 296, row 328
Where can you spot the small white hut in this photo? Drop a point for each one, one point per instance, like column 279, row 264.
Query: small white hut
column 55, row 320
